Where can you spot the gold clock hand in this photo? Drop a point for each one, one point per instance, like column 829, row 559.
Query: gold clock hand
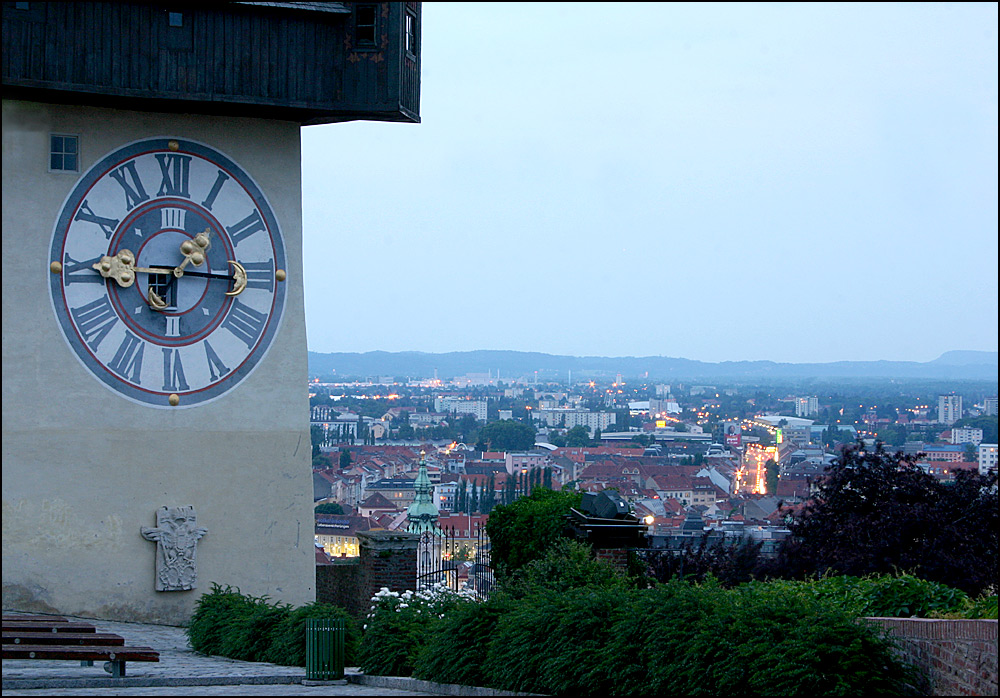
column 194, row 251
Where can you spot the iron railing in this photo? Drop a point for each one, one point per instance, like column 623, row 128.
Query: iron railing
column 460, row 560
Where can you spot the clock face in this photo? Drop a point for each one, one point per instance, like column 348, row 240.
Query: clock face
column 167, row 272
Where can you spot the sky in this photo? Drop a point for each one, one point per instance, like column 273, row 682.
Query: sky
column 717, row 182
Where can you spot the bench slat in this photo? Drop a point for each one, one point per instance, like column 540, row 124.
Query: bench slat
column 43, row 638
column 24, row 617
column 65, row 627
column 120, row 654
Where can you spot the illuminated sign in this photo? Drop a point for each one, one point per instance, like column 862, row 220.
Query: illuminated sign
column 733, row 434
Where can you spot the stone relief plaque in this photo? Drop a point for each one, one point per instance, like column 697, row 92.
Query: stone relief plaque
column 176, row 536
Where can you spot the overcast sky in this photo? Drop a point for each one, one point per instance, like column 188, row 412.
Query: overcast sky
column 715, row 182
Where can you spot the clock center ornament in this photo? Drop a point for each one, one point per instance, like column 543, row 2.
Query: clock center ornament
column 167, row 272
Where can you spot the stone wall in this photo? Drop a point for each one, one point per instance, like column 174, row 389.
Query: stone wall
column 387, row 559
column 958, row 657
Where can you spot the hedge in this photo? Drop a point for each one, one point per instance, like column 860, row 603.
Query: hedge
column 230, row 624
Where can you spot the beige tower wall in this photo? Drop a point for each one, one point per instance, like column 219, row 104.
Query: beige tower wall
column 83, row 468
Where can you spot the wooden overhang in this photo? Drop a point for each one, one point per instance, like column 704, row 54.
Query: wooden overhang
column 309, row 62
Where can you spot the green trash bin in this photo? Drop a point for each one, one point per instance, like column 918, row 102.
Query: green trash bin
column 325, row 649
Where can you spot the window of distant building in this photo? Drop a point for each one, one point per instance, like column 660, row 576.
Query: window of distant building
column 411, row 33
column 64, row 153
column 365, row 26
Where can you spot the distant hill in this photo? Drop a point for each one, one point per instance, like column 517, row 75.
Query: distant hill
column 510, row 365
column 966, row 358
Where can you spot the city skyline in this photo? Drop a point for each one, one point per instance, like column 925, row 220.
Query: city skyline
column 719, row 183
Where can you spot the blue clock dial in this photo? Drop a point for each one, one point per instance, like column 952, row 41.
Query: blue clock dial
column 168, row 272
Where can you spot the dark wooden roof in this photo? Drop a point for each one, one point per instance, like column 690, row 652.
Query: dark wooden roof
column 296, row 61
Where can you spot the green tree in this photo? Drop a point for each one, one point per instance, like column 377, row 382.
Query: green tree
column 971, row 453
column 523, row 530
column 877, row 512
column 473, row 498
column 623, row 420
column 834, row 435
column 330, row 508
column 345, row 459
column 507, row 435
column 578, row 436
column 510, row 493
column 317, row 437
column 892, row 434
column 489, row 499
column 771, row 476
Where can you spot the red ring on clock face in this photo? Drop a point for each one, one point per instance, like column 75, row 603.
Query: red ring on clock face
column 201, row 304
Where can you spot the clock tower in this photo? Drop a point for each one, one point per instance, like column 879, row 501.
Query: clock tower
column 154, row 342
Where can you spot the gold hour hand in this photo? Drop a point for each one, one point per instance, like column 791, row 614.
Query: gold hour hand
column 120, row 267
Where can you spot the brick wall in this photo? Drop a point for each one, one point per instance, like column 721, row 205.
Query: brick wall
column 387, row 559
column 958, row 657
column 339, row 583
column 618, row 557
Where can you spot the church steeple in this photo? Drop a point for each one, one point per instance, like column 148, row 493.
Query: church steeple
column 422, row 515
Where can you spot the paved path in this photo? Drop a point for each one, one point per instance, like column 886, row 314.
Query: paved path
column 182, row 670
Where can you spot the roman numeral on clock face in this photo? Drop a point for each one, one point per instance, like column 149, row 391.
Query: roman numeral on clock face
column 245, row 322
column 172, row 217
column 128, row 358
column 87, row 214
column 94, row 321
column 75, row 272
column 259, row 274
column 246, row 227
column 216, row 368
column 173, row 371
column 130, row 183
column 175, row 170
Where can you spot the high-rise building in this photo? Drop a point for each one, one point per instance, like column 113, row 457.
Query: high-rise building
column 966, row 435
column 949, row 409
column 457, row 405
column 806, row 406
column 987, row 458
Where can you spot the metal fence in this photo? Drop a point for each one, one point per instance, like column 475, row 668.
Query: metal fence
column 461, row 560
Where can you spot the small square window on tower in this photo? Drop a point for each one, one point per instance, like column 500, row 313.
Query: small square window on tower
column 365, row 26
column 64, row 153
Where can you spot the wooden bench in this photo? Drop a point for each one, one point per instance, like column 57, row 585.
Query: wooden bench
column 54, row 637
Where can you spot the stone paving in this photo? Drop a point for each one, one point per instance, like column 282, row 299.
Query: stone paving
column 182, row 670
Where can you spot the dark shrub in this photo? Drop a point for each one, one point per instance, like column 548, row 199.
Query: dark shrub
column 398, row 627
column 230, row 624
column 551, row 642
column 456, row 645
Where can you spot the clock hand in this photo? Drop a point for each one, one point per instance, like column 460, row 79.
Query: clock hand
column 194, row 251
column 239, row 279
column 121, row 267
